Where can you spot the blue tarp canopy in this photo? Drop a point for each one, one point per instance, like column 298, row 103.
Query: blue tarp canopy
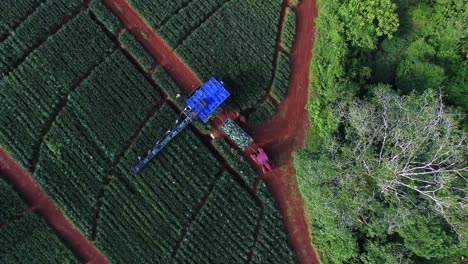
column 207, row 99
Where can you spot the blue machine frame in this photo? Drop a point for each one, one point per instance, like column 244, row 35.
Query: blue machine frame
column 207, row 99
column 202, row 104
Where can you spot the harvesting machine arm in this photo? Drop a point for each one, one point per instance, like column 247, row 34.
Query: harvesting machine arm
column 180, row 125
column 201, row 104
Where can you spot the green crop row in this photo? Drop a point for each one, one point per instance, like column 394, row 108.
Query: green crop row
column 238, row 163
column 129, row 42
column 154, row 205
column 223, row 231
column 236, row 43
column 156, row 12
column 112, row 108
column 71, row 170
column 13, row 12
column 272, row 245
column 281, row 82
column 11, row 203
column 188, row 18
column 35, row 89
column 33, row 30
column 104, row 15
column 100, row 117
column 289, row 29
column 30, row 240
column 263, row 113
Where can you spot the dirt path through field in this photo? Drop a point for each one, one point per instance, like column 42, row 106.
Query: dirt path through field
column 281, row 135
column 25, row 185
column 154, row 45
column 286, row 130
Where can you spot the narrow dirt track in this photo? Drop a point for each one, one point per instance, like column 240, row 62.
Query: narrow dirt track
column 25, row 185
column 283, row 134
column 154, row 45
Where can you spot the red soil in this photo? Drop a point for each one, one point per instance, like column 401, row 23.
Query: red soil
column 285, row 132
column 281, row 135
column 154, row 45
column 41, row 204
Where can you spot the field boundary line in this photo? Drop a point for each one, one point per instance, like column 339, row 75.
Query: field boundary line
column 30, row 191
column 182, row 7
column 256, row 236
column 198, row 208
column 23, row 19
column 187, row 35
column 10, row 68
column 111, row 172
column 16, row 217
column 278, row 47
column 63, row 102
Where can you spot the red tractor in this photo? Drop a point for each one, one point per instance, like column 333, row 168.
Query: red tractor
column 261, row 159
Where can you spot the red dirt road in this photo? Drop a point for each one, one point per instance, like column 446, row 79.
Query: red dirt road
column 281, row 135
column 41, row 204
column 285, row 132
column 153, row 44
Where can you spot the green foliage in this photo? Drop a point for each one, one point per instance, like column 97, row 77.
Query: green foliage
column 165, row 81
column 357, row 47
column 289, row 29
column 367, row 20
column 281, row 81
column 273, row 245
column 428, row 50
column 34, row 30
column 264, row 112
column 426, row 237
column 105, row 16
column 392, row 182
column 30, row 240
column 11, row 203
column 136, row 50
column 202, row 242
column 419, row 76
column 33, row 91
column 12, row 12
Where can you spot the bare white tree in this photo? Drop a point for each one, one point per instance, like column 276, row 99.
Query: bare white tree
column 411, row 146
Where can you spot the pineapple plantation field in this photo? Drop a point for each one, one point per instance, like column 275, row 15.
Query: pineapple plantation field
column 81, row 98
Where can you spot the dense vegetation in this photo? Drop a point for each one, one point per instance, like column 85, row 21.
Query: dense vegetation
column 30, row 240
column 23, row 231
column 77, row 107
column 11, row 203
column 384, row 171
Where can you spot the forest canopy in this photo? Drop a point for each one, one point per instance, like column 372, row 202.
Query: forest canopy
column 384, row 171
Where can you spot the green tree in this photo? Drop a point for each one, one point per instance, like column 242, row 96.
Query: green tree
column 395, row 177
column 369, row 19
